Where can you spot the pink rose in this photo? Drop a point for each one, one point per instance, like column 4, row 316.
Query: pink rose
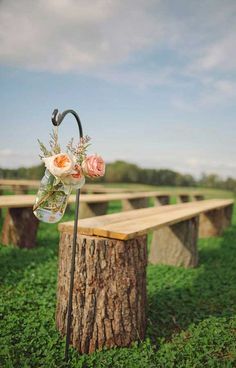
column 93, row 166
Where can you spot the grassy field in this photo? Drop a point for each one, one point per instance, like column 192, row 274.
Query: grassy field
column 191, row 317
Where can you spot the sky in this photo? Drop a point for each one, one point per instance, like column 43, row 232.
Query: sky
column 153, row 81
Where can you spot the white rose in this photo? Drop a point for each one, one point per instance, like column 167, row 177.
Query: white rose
column 59, row 165
column 75, row 179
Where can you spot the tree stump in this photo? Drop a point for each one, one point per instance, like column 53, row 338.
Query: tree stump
column 1, row 193
column 109, row 296
column 227, row 218
column 20, row 228
column 161, row 200
column 198, row 197
column 176, row 245
column 20, row 189
column 92, row 209
column 183, row 198
column 214, row 222
column 134, row 203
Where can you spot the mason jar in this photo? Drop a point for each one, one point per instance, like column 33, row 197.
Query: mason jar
column 51, row 200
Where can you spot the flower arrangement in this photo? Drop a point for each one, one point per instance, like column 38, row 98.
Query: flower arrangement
column 64, row 171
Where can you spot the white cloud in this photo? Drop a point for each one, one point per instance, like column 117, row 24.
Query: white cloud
column 221, row 55
column 105, row 38
column 75, row 35
column 79, row 35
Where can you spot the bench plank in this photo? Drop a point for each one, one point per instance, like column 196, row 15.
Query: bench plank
column 121, row 226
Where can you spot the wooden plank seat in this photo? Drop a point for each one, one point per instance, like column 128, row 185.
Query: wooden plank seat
column 19, row 186
column 109, row 298
column 20, row 225
column 97, row 204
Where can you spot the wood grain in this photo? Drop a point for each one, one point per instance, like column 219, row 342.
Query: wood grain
column 146, row 220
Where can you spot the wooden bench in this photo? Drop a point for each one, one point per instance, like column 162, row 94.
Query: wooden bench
column 109, row 299
column 20, row 225
column 19, row 186
column 97, row 204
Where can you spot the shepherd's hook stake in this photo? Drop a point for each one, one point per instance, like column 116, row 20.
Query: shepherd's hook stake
column 57, row 119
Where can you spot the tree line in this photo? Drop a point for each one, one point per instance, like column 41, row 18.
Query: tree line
column 124, row 172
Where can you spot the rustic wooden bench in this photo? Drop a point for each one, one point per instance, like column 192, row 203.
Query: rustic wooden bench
column 97, row 204
column 22, row 186
column 19, row 186
column 20, row 225
column 109, row 298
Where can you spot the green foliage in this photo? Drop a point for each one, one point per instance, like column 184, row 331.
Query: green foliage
column 54, row 144
column 44, row 150
column 125, row 172
column 191, row 312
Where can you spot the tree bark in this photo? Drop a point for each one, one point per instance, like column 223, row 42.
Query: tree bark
column 20, row 228
column 176, row 245
column 109, row 296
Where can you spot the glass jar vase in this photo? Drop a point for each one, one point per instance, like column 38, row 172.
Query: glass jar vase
column 51, row 199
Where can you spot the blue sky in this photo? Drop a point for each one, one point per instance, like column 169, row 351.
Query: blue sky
column 153, row 81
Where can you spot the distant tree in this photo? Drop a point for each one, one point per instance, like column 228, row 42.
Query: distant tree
column 121, row 171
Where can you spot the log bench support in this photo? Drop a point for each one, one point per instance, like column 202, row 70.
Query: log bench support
column 109, row 296
column 214, row 222
column 161, row 200
column 228, row 214
column 92, row 209
column 198, row 197
column 20, row 228
column 1, row 193
column 176, row 245
column 134, row 203
column 20, row 189
column 183, row 198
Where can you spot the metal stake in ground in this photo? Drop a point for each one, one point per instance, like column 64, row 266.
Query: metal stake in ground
column 56, row 120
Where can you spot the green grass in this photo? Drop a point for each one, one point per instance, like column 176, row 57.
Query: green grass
column 191, row 312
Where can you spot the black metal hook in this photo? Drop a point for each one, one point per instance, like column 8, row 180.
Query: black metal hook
column 57, row 119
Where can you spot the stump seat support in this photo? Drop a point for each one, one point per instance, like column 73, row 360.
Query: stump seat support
column 134, row 203
column 183, row 198
column 214, row 222
column 198, row 197
column 161, row 200
column 20, row 228
column 176, row 245
column 92, row 209
column 109, row 298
